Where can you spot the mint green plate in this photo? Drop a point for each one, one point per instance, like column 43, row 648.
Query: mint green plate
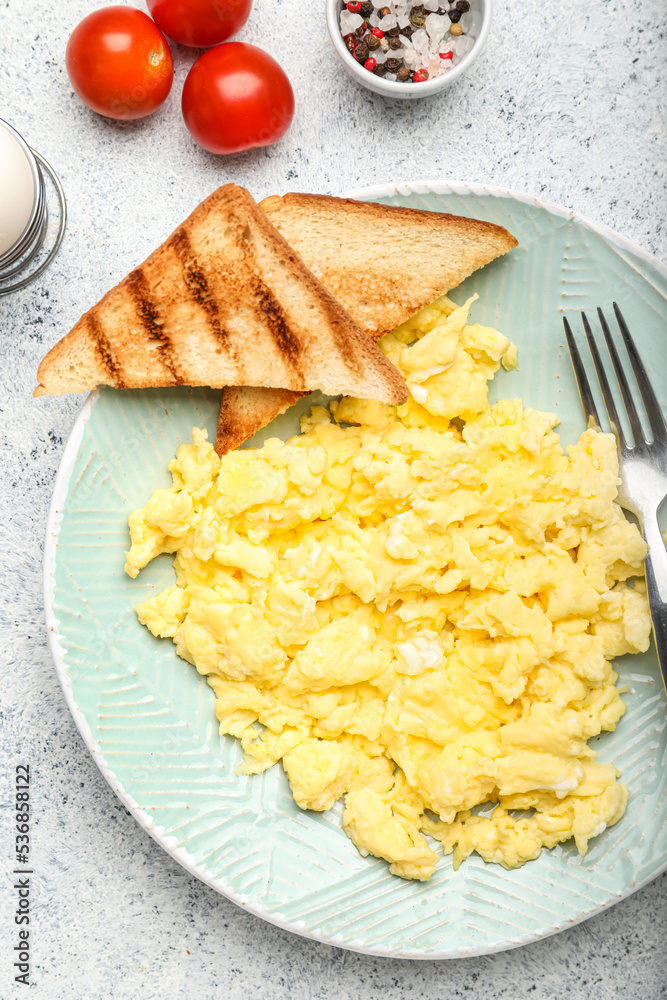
column 148, row 718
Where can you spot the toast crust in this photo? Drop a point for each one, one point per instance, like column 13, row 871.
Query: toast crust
column 224, row 300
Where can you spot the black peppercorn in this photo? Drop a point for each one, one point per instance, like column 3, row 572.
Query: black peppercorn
column 393, row 32
column 361, row 52
column 454, row 15
column 395, row 43
column 366, row 9
column 380, row 69
column 403, row 74
column 408, row 31
column 372, row 42
column 462, row 6
column 393, row 65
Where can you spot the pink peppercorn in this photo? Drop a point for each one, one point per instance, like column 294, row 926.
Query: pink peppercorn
column 378, row 32
column 447, row 55
column 370, row 64
column 420, row 76
column 354, row 8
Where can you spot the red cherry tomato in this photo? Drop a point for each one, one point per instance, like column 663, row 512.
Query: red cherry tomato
column 119, row 63
column 201, row 23
column 237, row 97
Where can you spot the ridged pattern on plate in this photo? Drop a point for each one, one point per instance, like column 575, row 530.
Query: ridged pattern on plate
column 148, row 716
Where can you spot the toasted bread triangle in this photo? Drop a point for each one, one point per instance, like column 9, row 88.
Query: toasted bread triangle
column 224, row 301
column 245, row 409
column 382, row 263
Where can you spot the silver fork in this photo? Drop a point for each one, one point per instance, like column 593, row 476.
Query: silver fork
column 643, row 464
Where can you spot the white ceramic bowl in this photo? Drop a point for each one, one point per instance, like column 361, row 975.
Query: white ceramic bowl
column 391, row 88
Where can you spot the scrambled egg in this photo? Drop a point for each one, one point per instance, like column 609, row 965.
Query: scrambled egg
column 413, row 607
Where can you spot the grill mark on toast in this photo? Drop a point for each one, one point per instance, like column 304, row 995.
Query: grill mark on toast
column 138, row 287
column 198, row 285
column 266, row 305
column 272, row 312
column 288, row 344
column 104, row 352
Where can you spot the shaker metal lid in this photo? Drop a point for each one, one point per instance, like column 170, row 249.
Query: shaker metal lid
column 19, row 182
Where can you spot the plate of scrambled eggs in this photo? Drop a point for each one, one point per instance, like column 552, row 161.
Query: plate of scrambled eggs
column 383, row 675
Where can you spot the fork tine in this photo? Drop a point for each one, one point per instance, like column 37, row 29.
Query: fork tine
column 585, row 394
column 651, row 404
column 633, row 416
column 607, row 396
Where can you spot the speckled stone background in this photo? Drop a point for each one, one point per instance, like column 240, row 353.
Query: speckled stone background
column 564, row 103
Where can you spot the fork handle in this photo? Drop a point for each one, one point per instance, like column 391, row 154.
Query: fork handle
column 656, row 585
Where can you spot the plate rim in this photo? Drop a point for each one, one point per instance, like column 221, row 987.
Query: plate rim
column 181, row 855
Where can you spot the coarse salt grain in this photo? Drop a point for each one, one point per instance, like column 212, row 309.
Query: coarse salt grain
column 436, row 26
column 410, row 56
column 420, row 39
column 388, row 22
column 350, row 22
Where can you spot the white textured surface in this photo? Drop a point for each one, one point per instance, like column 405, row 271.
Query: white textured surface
column 556, row 106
